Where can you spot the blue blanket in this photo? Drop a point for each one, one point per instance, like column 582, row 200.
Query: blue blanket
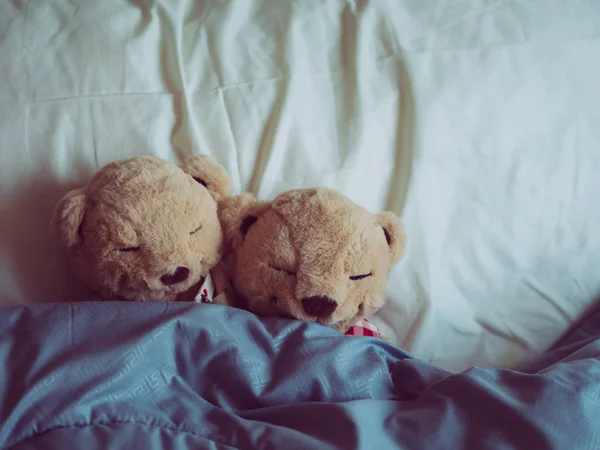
column 174, row 375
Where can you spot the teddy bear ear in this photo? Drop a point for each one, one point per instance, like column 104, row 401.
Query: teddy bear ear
column 210, row 174
column 394, row 234
column 237, row 215
column 68, row 217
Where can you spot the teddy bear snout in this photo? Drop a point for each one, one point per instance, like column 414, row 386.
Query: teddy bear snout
column 179, row 276
column 319, row 306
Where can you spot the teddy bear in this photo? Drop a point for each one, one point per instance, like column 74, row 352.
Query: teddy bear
column 144, row 229
column 311, row 254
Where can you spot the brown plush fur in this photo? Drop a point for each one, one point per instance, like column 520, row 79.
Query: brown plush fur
column 302, row 248
column 139, row 221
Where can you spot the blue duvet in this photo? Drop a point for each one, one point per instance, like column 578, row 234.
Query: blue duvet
column 160, row 375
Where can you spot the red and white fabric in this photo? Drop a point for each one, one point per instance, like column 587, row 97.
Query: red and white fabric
column 364, row 328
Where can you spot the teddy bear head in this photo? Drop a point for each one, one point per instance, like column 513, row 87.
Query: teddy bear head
column 143, row 228
column 311, row 254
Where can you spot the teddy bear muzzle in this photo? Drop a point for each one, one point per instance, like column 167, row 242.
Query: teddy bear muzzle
column 179, row 276
column 319, row 306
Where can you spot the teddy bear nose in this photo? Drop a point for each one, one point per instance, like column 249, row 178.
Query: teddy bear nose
column 180, row 275
column 319, row 306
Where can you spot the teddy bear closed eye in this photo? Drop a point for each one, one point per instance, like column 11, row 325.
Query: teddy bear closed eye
column 311, row 254
column 144, row 229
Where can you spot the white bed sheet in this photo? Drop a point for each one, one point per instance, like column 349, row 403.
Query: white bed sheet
column 478, row 121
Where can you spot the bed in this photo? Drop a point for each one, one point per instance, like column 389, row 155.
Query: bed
column 475, row 120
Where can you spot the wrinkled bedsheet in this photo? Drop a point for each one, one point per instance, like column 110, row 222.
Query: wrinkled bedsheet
column 154, row 376
column 477, row 120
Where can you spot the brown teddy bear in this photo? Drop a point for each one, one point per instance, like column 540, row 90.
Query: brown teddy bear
column 144, row 229
column 310, row 254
